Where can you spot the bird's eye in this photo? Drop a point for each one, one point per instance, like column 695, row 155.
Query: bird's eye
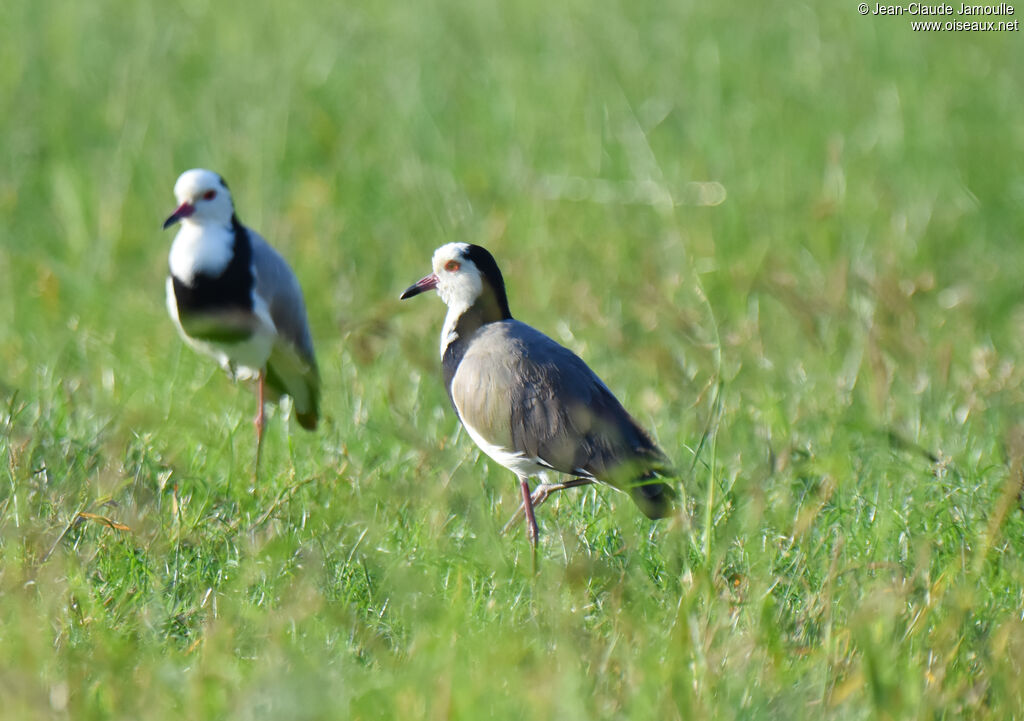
column 452, row 265
column 209, row 195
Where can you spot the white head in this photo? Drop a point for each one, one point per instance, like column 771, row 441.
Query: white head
column 459, row 281
column 469, row 282
column 462, row 274
column 203, row 198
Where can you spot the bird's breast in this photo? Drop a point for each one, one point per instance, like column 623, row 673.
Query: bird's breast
column 211, row 271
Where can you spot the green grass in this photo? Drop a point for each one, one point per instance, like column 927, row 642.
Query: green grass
column 832, row 354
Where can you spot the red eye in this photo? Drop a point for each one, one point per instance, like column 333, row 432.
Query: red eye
column 452, row 265
column 209, row 195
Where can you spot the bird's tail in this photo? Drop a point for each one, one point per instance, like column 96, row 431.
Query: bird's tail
column 655, row 499
column 308, row 413
column 307, row 420
column 288, row 374
column 641, row 477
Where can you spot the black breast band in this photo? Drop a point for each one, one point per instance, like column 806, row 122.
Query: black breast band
column 229, row 291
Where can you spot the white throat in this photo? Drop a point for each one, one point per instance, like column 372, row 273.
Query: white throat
column 205, row 249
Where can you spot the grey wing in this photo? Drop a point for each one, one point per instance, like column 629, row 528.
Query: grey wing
column 560, row 412
column 291, row 368
column 277, row 284
column 583, row 427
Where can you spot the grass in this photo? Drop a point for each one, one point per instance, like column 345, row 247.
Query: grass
column 786, row 235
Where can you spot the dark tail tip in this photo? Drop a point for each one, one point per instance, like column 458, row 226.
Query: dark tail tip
column 309, row 417
column 656, row 500
column 307, row 420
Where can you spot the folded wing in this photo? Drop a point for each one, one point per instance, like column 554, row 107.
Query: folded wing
column 523, row 391
column 291, row 368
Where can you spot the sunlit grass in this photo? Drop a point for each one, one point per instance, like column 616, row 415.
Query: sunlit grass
column 786, row 236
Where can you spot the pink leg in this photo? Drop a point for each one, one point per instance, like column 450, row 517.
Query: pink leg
column 540, row 495
column 258, row 420
column 531, row 520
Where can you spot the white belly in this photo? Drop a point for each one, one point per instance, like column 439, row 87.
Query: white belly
column 517, row 462
column 243, row 360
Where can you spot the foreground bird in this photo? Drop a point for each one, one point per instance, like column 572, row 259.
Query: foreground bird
column 234, row 298
column 529, row 403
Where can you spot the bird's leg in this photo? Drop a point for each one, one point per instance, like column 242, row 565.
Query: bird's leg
column 540, row 494
column 531, row 520
column 258, row 421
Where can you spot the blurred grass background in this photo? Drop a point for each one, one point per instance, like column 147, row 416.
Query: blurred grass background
column 785, row 234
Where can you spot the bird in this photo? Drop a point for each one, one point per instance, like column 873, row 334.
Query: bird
column 528, row 402
column 234, row 298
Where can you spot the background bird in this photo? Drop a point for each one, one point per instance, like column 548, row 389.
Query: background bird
column 529, row 403
column 233, row 297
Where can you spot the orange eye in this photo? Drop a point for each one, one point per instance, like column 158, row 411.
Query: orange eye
column 452, row 265
column 209, row 195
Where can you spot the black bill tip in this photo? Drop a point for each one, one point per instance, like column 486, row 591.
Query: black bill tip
column 183, row 211
column 423, row 284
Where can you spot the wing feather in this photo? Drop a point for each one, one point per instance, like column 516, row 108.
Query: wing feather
column 523, row 391
column 291, row 368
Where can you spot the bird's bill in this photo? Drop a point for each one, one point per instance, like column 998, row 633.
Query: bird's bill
column 423, row 284
column 184, row 210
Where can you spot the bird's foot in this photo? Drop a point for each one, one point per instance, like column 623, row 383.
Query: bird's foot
column 539, row 495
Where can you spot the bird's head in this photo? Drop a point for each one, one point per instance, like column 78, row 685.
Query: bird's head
column 203, row 197
column 464, row 276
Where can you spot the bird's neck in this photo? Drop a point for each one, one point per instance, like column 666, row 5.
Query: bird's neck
column 464, row 319
column 460, row 325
